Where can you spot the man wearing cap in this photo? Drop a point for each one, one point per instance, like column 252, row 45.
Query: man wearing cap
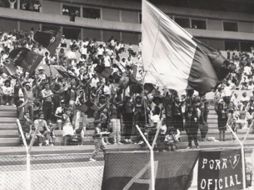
column 59, row 114
column 80, row 116
column 47, row 95
column 222, row 112
column 29, row 98
column 8, row 92
column 41, row 74
column 42, row 129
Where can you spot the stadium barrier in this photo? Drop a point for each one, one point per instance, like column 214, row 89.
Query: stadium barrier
column 51, row 168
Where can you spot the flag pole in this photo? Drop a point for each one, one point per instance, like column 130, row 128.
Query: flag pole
column 152, row 187
column 243, row 157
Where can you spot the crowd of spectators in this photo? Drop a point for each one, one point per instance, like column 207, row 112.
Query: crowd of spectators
column 103, row 81
column 242, row 78
column 234, row 97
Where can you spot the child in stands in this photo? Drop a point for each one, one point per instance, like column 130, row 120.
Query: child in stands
column 98, row 141
column 42, row 130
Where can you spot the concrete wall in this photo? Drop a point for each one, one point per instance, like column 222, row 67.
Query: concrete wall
column 220, row 15
column 122, row 17
column 92, row 33
column 110, row 14
column 130, row 16
column 65, row 20
column 72, row 33
column 245, row 27
column 214, row 24
column 50, row 7
column 215, row 43
column 26, row 26
column 124, row 4
column 130, row 37
column 107, row 34
column 8, row 25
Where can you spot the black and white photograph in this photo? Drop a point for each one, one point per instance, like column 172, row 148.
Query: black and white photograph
column 126, row 94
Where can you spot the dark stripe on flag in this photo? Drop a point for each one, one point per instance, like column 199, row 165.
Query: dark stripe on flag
column 33, row 60
column 208, row 69
column 44, row 37
column 54, row 43
column 24, row 58
column 10, row 68
column 174, row 170
column 48, row 39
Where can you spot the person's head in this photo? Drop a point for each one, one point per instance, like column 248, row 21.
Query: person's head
column 61, row 50
column 102, row 99
column 138, row 99
column 81, row 92
column 27, row 114
column 41, row 116
column 7, row 83
column 189, row 92
column 177, row 100
column 156, row 111
column 46, row 86
column 41, row 70
column 62, row 103
column 28, row 86
column 68, row 111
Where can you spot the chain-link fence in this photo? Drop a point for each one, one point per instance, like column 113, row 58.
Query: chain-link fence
column 66, row 167
column 13, row 171
column 50, row 169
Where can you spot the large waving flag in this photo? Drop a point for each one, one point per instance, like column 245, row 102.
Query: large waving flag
column 48, row 39
column 24, row 58
column 173, row 58
column 131, row 170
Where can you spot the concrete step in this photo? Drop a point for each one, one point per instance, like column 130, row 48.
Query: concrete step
column 9, row 140
column 212, row 116
column 8, row 114
column 8, row 108
column 221, row 144
column 216, row 131
column 60, row 132
column 9, row 133
column 7, row 120
column 8, row 126
column 50, row 159
column 184, row 137
column 212, row 121
column 59, row 141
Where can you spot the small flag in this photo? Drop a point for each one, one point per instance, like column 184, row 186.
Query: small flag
column 48, row 39
column 174, row 58
column 103, row 71
column 24, row 58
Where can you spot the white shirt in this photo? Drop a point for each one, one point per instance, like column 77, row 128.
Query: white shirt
column 227, row 91
column 247, row 70
column 100, row 51
column 107, row 61
column 7, row 90
column 94, row 82
column 106, row 90
column 83, row 51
